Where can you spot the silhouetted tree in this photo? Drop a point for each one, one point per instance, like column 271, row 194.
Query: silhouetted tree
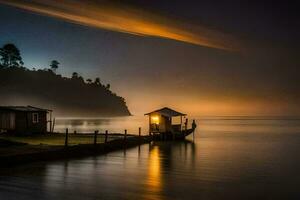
column 80, row 78
column 107, row 86
column 10, row 56
column 97, row 81
column 74, row 75
column 89, row 81
column 122, row 99
column 54, row 65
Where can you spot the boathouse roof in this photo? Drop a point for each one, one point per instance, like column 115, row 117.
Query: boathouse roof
column 24, row 108
column 168, row 112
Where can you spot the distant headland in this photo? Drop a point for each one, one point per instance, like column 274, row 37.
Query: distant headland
column 68, row 97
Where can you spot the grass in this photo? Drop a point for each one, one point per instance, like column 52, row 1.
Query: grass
column 56, row 139
column 12, row 152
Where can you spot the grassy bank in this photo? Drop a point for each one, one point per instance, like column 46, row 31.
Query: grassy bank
column 58, row 139
column 16, row 150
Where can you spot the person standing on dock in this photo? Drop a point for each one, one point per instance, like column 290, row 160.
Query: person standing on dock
column 194, row 125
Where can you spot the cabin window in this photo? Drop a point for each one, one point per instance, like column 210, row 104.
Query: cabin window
column 176, row 120
column 35, row 118
column 155, row 119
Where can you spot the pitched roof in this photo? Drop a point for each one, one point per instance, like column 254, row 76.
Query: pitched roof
column 24, row 108
column 168, row 112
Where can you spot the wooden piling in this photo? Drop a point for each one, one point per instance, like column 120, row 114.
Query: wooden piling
column 185, row 124
column 53, row 125
column 106, row 135
column 140, row 133
column 67, row 137
column 50, row 123
column 193, row 135
column 95, row 137
column 125, row 135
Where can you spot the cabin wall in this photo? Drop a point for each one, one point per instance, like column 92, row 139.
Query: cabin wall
column 7, row 120
column 166, row 124
column 24, row 122
column 162, row 125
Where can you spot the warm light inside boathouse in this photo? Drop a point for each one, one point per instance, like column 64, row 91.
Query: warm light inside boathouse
column 155, row 119
column 165, row 120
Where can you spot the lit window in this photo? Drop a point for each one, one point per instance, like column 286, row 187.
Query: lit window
column 35, row 118
column 155, row 119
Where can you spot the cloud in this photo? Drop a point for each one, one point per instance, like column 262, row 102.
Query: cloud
column 121, row 18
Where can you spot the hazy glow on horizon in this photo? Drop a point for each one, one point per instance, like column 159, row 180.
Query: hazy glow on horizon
column 216, row 107
column 128, row 20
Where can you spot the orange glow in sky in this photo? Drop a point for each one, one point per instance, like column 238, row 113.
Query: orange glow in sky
column 128, row 20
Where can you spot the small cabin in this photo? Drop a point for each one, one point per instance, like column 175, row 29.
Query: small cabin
column 165, row 120
column 23, row 119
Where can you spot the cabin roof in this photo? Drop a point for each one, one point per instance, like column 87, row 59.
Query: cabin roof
column 168, row 112
column 24, row 109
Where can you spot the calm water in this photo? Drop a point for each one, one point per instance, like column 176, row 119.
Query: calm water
column 230, row 158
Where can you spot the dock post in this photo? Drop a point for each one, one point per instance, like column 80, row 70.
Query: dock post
column 185, row 129
column 53, row 125
column 140, row 132
column 106, row 134
column 95, row 137
column 193, row 135
column 125, row 135
column 50, row 122
column 186, row 124
column 67, row 137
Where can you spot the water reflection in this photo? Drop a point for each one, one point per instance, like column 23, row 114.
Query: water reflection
column 153, row 181
column 226, row 161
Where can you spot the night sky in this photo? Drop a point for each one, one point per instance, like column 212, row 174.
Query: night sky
column 201, row 57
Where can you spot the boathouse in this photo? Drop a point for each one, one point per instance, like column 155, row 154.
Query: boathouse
column 165, row 120
column 23, row 119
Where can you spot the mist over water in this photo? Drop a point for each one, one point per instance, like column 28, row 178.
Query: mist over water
column 210, row 123
column 112, row 124
column 230, row 158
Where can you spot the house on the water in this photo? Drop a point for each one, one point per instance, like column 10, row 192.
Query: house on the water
column 24, row 119
column 167, row 123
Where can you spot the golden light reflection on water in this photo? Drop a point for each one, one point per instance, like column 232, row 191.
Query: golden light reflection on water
column 154, row 180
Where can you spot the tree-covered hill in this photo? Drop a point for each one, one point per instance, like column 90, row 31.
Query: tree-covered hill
column 66, row 96
column 72, row 97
